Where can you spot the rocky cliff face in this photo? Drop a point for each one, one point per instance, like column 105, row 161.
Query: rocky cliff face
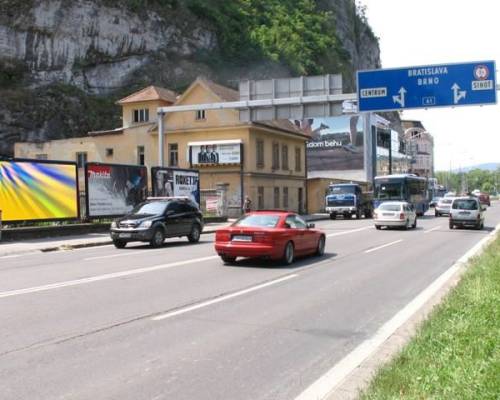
column 63, row 63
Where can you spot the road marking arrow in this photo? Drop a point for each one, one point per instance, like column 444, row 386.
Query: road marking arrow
column 401, row 98
column 457, row 93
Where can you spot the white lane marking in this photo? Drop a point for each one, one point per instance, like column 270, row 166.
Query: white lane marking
column 102, row 277
column 326, row 384
column 125, row 253
column 222, row 298
column 347, row 232
column 384, row 245
column 433, row 229
column 13, row 256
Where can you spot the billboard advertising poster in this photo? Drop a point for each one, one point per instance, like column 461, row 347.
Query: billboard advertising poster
column 114, row 189
column 336, row 143
column 176, row 182
column 34, row 190
column 215, row 154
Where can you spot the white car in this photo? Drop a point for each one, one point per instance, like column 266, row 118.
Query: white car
column 395, row 213
column 467, row 211
column 443, row 206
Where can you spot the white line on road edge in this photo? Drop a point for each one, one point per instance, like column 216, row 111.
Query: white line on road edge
column 125, row 253
column 347, row 232
column 433, row 229
column 326, row 384
column 222, row 298
column 101, row 277
column 384, row 245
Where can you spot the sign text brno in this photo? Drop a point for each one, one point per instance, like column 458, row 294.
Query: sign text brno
column 428, row 86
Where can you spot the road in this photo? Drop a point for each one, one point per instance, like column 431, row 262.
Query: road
column 175, row 323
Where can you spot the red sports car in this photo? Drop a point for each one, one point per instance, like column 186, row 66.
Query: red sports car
column 276, row 235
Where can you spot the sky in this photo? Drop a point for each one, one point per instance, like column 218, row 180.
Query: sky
column 425, row 32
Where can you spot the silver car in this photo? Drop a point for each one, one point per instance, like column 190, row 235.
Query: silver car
column 395, row 213
column 467, row 211
column 443, row 206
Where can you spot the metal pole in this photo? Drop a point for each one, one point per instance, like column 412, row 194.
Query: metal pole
column 161, row 114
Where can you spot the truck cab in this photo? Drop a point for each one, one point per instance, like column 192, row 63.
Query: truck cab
column 347, row 199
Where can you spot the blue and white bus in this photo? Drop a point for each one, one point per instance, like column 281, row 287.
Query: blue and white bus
column 404, row 187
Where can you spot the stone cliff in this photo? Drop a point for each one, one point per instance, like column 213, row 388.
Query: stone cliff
column 63, row 63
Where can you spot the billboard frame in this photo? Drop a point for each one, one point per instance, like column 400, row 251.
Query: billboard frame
column 173, row 169
column 54, row 162
column 87, row 205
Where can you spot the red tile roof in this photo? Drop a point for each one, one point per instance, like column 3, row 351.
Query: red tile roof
column 148, row 94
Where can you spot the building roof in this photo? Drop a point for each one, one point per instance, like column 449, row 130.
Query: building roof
column 148, row 94
column 117, row 131
column 412, row 124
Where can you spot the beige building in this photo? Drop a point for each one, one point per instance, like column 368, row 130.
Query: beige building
column 265, row 160
column 420, row 147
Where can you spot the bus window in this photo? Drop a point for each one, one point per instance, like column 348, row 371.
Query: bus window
column 388, row 191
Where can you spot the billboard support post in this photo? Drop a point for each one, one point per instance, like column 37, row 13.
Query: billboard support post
column 161, row 138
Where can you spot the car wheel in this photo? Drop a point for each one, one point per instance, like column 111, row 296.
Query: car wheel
column 333, row 216
column 451, row 225
column 436, row 214
column 288, row 255
column 368, row 214
column 358, row 214
column 414, row 223
column 378, row 227
column 320, row 249
column 158, row 238
column 194, row 236
column 119, row 244
column 228, row 259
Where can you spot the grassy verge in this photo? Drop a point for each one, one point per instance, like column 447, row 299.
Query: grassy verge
column 456, row 352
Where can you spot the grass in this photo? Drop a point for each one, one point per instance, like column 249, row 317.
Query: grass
column 456, row 352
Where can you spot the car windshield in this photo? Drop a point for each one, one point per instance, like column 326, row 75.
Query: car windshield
column 153, row 208
column 390, row 207
column 465, row 205
column 388, row 191
column 446, row 201
column 258, row 220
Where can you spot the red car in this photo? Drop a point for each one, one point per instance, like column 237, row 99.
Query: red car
column 276, row 235
column 484, row 198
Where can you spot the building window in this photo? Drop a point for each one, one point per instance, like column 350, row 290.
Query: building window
column 284, row 157
column 285, row 198
column 276, row 197
column 260, row 154
column 81, row 159
column 298, row 159
column 200, row 115
column 141, row 115
column 41, row 157
column 260, row 197
column 276, row 156
column 109, row 152
column 173, row 154
column 140, row 155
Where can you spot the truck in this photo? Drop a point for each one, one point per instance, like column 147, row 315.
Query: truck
column 348, row 199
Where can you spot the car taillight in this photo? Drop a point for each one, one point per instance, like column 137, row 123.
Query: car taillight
column 222, row 236
column 402, row 216
column 262, row 237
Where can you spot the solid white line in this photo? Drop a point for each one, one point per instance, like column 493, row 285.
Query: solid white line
column 13, row 256
column 326, row 384
column 347, row 232
column 102, row 277
column 384, row 245
column 125, row 253
column 222, row 298
column 433, row 229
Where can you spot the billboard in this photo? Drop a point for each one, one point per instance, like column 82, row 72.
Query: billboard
column 215, row 153
column 176, row 182
column 336, row 144
column 35, row 190
column 114, row 189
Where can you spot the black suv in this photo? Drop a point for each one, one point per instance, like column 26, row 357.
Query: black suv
column 156, row 219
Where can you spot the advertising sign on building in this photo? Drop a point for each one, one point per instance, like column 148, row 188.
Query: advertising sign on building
column 336, row 146
column 176, row 182
column 113, row 189
column 217, row 152
column 34, row 190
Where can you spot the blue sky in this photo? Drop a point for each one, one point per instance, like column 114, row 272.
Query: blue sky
column 424, row 32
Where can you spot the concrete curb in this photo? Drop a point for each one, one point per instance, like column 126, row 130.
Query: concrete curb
column 360, row 377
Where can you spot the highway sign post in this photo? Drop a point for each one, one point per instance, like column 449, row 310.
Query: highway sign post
column 428, row 86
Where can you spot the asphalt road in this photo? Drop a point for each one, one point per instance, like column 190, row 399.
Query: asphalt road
column 175, row 323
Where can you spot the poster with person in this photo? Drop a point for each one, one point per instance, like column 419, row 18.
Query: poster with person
column 168, row 182
column 215, row 153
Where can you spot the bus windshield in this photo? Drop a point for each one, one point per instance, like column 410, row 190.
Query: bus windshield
column 389, row 191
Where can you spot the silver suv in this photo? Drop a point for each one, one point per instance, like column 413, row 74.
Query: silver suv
column 467, row 211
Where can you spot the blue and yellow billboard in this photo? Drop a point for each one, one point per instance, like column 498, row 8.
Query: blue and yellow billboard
column 38, row 190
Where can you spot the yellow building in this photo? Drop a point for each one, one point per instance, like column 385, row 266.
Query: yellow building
column 262, row 160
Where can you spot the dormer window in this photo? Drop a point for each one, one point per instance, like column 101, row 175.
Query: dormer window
column 141, row 115
column 200, row 115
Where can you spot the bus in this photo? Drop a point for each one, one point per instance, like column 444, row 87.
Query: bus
column 404, row 187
